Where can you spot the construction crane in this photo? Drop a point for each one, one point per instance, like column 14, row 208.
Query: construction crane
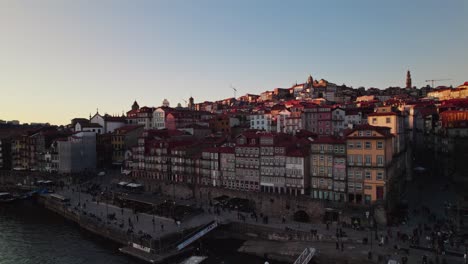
column 235, row 91
column 438, row 80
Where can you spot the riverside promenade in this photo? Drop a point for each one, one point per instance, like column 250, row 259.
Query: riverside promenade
column 257, row 232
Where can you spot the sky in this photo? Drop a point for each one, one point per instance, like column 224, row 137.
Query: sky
column 61, row 59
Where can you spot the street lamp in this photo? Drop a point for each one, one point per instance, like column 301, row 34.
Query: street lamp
column 370, row 234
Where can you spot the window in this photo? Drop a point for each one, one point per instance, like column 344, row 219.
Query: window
column 358, row 186
column 368, row 133
column 379, row 145
column 387, row 120
column 350, row 174
column 379, row 175
column 350, row 145
column 380, row 160
column 368, row 159
column 359, row 145
column 350, row 159
column 368, row 187
column 359, row 159
column 358, row 175
column 374, row 120
column 368, row 145
column 368, row 175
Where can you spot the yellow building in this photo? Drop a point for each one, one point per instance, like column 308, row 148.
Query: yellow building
column 369, row 159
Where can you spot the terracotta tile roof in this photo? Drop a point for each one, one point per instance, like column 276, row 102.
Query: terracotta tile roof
column 297, row 152
column 229, row 150
column 385, row 131
column 383, row 114
column 126, row 129
column 211, row 150
column 328, row 140
column 370, row 127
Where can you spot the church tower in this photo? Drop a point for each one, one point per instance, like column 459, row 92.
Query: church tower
column 408, row 80
column 191, row 104
column 310, row 81
column 135, row 106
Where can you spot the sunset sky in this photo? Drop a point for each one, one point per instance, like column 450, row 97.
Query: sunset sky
column 63, row 59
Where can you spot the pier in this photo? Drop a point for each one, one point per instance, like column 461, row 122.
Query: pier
column 145, row 242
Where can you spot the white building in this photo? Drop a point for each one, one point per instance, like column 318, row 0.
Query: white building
column 77, row 153
column 108, row 123
column 352, row 118
column 159, row 117
column 281, row 120
column 261, row 121
column 297, row 172
column 89, row 127
column 51, row 160
column 338, row 121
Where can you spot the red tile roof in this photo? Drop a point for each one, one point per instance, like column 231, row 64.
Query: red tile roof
column 328, row 140
column 126, row 129
column 228, row 150
column 383, row 114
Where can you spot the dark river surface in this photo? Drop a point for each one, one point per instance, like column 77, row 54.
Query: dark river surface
column 29, row 234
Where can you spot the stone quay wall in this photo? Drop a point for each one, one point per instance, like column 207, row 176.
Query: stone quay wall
column 84, row 222
column 275, row 205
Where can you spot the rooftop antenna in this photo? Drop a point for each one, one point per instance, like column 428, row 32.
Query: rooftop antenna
column 235, row 91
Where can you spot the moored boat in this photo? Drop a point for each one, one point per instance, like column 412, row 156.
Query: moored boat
column 6, row 197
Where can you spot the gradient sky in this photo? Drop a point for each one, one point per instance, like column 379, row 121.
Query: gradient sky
column 63, row 59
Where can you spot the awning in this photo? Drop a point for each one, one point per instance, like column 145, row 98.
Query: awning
column 420, row 169
column 126, row 172
column 134, row 185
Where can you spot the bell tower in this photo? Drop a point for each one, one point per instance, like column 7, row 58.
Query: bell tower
column 408, row 80
column 191, row 104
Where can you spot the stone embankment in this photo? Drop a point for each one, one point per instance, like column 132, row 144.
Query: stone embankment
column 85, row 222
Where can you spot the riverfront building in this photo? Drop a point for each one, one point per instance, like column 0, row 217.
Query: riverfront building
column 370, row 163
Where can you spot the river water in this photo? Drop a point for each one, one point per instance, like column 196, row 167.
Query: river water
column 29, row 234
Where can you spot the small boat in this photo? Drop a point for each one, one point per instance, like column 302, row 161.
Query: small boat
column 194, row 260
column 7, row 197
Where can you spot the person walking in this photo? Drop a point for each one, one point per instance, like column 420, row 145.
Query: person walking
column 342, row 246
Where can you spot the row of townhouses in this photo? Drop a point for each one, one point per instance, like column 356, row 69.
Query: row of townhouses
column 318, row 139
